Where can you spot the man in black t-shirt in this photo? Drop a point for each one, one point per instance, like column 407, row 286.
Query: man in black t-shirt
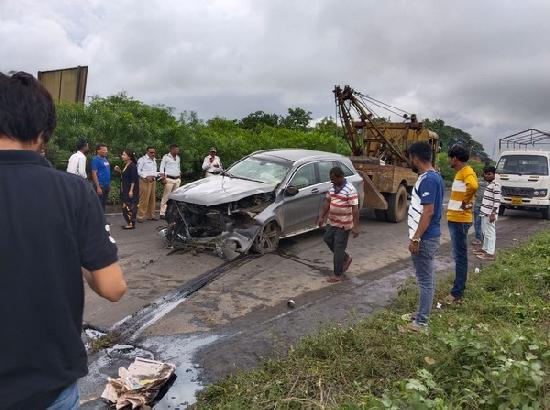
column 52, row 232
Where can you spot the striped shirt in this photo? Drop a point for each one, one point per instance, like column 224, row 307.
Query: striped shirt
column 463, row 190
column 429, row 189
column 340, row 213
column 491, row 199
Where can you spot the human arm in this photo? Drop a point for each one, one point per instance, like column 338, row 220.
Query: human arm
column 323, row 213
column 423, row 224
column 471, row 188
column 81, row 170
column 355, row 212
column 206, row 164
column 497, row 197
column 107, row 282
column 97, row 250
column 162, row 169
column 95, row 179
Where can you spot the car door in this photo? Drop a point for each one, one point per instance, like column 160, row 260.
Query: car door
column 301, row 211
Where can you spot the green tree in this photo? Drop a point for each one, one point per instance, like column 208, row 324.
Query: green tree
column 259, row 119
column 297, row 119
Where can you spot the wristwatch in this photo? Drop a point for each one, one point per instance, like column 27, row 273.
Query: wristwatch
column 416, row 240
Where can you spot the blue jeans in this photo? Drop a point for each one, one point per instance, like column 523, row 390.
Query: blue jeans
column 477, row 224
column 459, row 241
column 425, row 276
column 69, row 399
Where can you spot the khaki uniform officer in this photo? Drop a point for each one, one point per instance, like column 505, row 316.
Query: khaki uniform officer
column 147, row 171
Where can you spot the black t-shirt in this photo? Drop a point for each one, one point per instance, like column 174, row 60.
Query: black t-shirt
column 51, row 224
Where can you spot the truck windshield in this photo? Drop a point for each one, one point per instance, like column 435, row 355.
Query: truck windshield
column 260, row 170
column 523, row 165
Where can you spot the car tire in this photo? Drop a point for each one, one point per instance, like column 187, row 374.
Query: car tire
column 380, row 215
column 397, row 205
column 267, row 240
column 546, row 213
column 501, row 210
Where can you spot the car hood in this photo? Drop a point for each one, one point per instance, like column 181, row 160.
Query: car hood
column 218, row 189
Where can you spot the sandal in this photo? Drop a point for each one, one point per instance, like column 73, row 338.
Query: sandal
column 129, row 227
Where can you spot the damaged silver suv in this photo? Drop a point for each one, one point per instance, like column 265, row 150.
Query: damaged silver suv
column 258, row 200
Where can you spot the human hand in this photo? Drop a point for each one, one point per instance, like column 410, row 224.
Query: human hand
column 321, row 222
column 99, row 190
column 492, row 218
column 117, row 168
column 216, row 165
column 355, row 231
column 414, row 247
column 131, row 194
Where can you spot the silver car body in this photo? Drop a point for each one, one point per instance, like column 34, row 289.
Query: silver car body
column 307, row 170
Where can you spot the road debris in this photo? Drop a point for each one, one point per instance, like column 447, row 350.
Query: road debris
column 138, row 385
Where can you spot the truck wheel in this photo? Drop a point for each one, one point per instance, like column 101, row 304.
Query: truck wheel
column 380, row 214
column 501, row 210
column 546, row 213
column 397, row 205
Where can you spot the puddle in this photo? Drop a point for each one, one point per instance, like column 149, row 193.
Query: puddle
column 179, row 350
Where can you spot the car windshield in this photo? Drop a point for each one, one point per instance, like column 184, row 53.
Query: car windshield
column 523, row 165
column 259, row 169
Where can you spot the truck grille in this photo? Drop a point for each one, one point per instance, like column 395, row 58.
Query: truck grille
column 517, row 191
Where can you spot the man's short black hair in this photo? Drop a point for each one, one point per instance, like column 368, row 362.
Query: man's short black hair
column 26, row 108
column 489, row 168
column 172, row 146
column 99, row 146
column 81, row 144
column 337, row 172
column 459, row 152
column 421, row 150
column 149, row 147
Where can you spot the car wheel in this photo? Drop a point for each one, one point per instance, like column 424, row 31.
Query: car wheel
column 397, row 205
column 268, row 239
column 501, row 210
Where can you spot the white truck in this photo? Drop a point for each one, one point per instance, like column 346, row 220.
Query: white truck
column 523, row 172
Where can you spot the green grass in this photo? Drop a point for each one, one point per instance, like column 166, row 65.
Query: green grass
column 491, row 352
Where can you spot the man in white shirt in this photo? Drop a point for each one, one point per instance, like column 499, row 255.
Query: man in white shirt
column 147, row 171
column 212, row 164
column 77, row 161
column 170, row 171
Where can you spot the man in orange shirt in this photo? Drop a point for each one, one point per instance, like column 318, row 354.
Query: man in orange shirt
column 460, row 216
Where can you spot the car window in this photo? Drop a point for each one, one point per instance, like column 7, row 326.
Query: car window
column 324, row 171
column 347, row 172
column 305, row 176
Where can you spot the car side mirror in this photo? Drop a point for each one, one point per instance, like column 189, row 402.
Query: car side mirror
column 291, row 190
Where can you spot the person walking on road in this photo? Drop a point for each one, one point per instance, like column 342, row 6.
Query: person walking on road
column 424, row 218
column 212, row 164
column 101, row 174
column 341, row 208
column 478, row 240
column 489, row 214
column 170, row 171
column 77, row 161
column 147, row 171
column 129, row 188
column 460, row 218
column 53, row 233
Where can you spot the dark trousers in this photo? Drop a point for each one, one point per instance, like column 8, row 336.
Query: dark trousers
column 459, row 241
column 129, row 211
column 103, row 197
column 337, row 241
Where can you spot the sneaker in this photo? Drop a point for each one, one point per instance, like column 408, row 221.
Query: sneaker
column 334, row 279
column 347, row 264
column 451, row 299
column 162, row 217
column 140, row 220
column 413, row 327
column 485, row 256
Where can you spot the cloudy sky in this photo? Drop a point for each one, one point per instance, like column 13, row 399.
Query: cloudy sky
column 483, row 66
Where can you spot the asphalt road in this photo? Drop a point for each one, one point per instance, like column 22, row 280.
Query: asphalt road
column 196, row 311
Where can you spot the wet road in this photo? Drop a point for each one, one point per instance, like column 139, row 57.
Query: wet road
column 239, row 316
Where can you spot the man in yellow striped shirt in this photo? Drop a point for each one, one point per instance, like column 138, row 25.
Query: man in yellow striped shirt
column 460, row 216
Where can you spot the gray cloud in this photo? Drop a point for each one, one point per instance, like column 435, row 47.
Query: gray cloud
column 481, row 66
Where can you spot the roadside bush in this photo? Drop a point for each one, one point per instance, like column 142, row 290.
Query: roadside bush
column 491, row 352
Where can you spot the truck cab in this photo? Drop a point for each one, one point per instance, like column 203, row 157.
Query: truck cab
column 525, row 180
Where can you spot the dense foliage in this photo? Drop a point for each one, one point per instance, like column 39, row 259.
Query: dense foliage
column 123, row 122
column 491, row 352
